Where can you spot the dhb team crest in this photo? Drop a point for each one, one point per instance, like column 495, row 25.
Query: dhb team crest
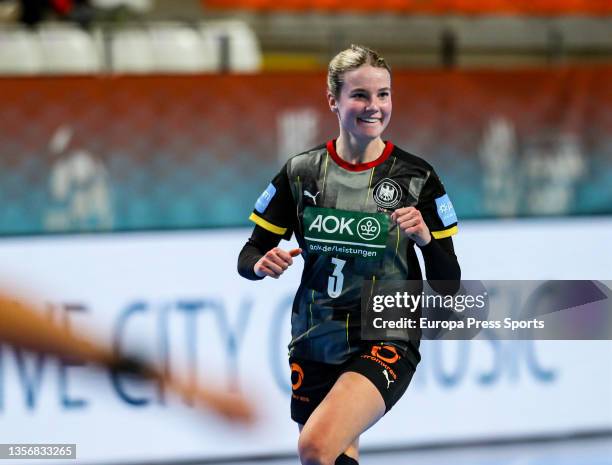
column 387, row 193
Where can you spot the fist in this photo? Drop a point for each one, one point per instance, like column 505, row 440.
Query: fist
column 275, row 262
column 410, row 220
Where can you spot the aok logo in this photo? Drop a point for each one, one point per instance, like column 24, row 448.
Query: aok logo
column 332, row 225
column 367, row 228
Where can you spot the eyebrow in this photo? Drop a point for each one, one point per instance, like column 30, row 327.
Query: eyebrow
column 359, row 89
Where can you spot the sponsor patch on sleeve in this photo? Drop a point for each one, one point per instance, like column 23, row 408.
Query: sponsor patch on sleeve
column 446, row 211
column 264, row 199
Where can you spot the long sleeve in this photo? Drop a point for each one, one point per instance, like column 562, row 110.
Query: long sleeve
column 273, row 216
column 441, row 266
column 259, row 243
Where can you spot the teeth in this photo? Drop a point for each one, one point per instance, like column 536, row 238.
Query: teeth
column 369, row 120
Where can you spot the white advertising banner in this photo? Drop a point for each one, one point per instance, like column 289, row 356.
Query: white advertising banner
column 178, row 298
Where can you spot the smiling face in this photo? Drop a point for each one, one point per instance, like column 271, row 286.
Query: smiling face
column 364, row 103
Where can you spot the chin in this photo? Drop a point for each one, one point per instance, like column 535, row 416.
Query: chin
column 368, row 135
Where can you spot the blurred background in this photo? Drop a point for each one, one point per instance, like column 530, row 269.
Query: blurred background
column 166, row 119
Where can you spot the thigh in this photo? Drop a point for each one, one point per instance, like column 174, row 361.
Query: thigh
column 342, row 402
column 384, row 366
column 310, row 383
column 351, row 407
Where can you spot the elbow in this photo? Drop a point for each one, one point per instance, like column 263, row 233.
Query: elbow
column 446, row 287
column 239, row 269
column 246, row 264
column 450, row 283
column 241, row 266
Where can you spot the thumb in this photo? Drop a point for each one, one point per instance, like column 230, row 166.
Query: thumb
column 295, row 252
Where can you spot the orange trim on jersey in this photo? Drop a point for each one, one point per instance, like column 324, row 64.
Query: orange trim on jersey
column 331, row 149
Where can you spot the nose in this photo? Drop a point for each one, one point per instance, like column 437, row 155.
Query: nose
column 373, row 104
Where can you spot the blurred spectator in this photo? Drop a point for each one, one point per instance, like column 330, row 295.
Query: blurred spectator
column 35, row 11
column 79, row 187
column 9, row 10
column 117, row 11
column 136, row 6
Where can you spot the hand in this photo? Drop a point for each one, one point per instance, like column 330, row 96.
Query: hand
column 410, row 220
column 275, row 262
column 234, row 407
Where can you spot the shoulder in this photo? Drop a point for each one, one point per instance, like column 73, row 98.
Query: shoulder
column 414, row 161
column 314, row 152
column 308, row 158
column 419, row 173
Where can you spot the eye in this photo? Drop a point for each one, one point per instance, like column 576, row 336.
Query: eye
column 359, row 95
column 384, row 94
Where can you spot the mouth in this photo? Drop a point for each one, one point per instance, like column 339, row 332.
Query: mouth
column 369, row 120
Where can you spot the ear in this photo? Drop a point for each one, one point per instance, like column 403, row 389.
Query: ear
column 332, row 102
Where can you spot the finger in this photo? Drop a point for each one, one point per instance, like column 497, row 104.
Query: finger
column 295, row 252
column 413, row 231
column 291, row 253
column 285, row 256
column 275, row 259
column 407, row 216
column 243, row 411
column 409, row 223
column 401, row 211
column 277, row 269
column 234, row 408
column 268, row 271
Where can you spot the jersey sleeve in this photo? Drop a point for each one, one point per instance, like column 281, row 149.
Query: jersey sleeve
column 274, row 209
column 437, row 209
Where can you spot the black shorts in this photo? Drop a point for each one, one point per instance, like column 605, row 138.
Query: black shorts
column 380, row 363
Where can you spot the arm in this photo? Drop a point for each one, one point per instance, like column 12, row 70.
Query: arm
column 273, row 216
column 440, row 260
column 260, row 256
column 430, row 225
column 24, row 327
column 441, row 266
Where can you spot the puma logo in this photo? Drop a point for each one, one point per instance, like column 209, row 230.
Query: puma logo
column 389, row 381
column 313, row 197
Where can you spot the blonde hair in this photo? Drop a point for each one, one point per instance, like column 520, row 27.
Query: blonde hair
column 348, row 60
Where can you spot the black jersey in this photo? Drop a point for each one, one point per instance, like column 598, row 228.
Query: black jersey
column 340, row 215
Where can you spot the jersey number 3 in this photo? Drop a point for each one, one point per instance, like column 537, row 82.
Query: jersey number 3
column 336, row 280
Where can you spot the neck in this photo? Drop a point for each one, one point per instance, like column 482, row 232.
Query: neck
column 355, row 151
